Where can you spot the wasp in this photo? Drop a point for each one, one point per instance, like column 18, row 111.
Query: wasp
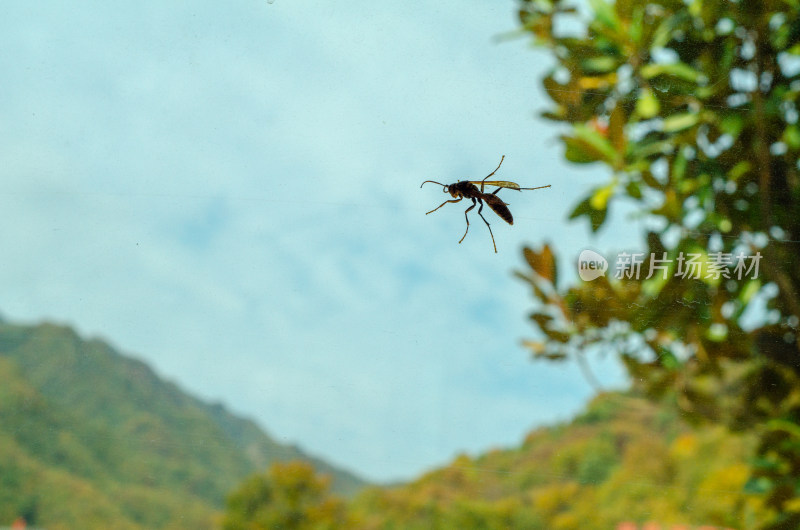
column 468, row 189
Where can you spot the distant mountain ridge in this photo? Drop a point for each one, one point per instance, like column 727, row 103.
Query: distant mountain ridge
column 89, row 436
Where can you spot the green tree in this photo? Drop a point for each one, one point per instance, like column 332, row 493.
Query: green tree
column 692, row 107
column 289, row 497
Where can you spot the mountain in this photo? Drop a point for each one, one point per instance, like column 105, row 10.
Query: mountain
column 92, row 438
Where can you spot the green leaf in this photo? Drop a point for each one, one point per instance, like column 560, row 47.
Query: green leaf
column 717, row 332
column 598, row 142
column 599, row 65
column 679, row 122
column 588, row 145
column 739, row 169
column 648, row 148
column 677, row 69
column 579, row 152
column 791, row 136
column 637, row 23
column 786, row 426
column 650, row 180
column 616, row 128
column 749, row 291
column 584, row 208
column 679, row 165
column 663, row 33
column 565, row 94
column 667, row 359
column 542, row 320
column 558, row 336
column 732, row 124
column 596, row 217
column 758, row 486
column 604, row 14
column 633, row 189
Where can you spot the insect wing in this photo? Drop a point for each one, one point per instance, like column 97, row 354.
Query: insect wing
column 498, row 183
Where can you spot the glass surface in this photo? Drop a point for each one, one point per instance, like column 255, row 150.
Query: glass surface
column 212, row 213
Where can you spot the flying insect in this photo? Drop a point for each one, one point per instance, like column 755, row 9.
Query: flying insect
column 468, row 189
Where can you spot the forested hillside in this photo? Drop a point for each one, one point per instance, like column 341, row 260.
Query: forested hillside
column 89, row 437
column 625, row 459
column 625, row 463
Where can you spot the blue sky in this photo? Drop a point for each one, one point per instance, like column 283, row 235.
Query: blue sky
column 230, row 192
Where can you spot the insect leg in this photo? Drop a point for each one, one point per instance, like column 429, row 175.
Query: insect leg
column 445, row 202
column 493, row 172
column 487, row 226
column 467, row 218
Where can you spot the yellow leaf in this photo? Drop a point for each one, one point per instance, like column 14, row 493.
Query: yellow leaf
column 647, row 106
column 600, row 198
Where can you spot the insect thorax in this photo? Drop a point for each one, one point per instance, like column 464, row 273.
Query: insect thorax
column 463, row 188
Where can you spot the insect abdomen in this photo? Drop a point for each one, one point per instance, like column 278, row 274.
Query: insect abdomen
column 499, row 207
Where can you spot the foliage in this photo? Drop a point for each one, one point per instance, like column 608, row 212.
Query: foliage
column 692, row 107
column 291, row 496
column 93, row 439
column 641, row 462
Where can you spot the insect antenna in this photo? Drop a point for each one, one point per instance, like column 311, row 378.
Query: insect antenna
column 439, row 183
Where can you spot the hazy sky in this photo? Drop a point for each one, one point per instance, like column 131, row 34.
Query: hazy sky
column 230, row 192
